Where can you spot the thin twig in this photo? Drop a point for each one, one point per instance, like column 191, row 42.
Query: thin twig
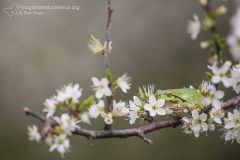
column 35, row 115
column 108, row 34
column 109, row 99
column 213, row 31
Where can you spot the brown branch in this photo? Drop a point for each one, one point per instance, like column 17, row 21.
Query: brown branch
column 232, row 103
column 125, row 133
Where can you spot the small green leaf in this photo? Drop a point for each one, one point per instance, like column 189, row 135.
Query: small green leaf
column 141, row 94
column 108, row 74
column 87, row 103
column 208, row 74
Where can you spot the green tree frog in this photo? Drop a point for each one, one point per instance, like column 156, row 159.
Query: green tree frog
column 181, row 101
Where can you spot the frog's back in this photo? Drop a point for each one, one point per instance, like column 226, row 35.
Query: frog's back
column 188, row 94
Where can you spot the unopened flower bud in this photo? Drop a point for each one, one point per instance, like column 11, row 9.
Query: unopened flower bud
column 209, row 22
column 221, row 10
column 205, row 44
column 213, row 59
column 203, row 2
column 108, row 118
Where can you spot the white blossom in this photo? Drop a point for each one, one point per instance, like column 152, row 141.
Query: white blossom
column 134, row 107
column 67, row 123
column 232, row 126
column 233, row 120
column 232, row 134
column 49, row 139
column 235, row 23
column 235, row 78
column 108, row 119
column 217, row 114
column 229, row 135
column 50, row 107
column 234, row 46
column 69, row 92
column 199, row 123
column 194, row 27
column 210, row 124
column 85, row 117
column 133, row 116
column 101, row 87
column 187, row 125
column 234, row 38
column 124, row 82
column 155, row 106
column 33, row 134
column 61, row 144
column 119, row 109
column 96, row 46
column 220, row 74
column 211, row 95
column 97, row 109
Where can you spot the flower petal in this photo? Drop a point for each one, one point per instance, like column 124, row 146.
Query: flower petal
column 216, row 103
column 160, row 102
column 216, row 79
column 152, row 100
column 148, row 107
column 219, row 94
column 203, row 117
column 161, row 111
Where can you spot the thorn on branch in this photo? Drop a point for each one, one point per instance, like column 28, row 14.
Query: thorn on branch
column 141, row 135
column 91, row 141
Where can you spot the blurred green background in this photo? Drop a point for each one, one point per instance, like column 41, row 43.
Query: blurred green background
column 38, row 54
